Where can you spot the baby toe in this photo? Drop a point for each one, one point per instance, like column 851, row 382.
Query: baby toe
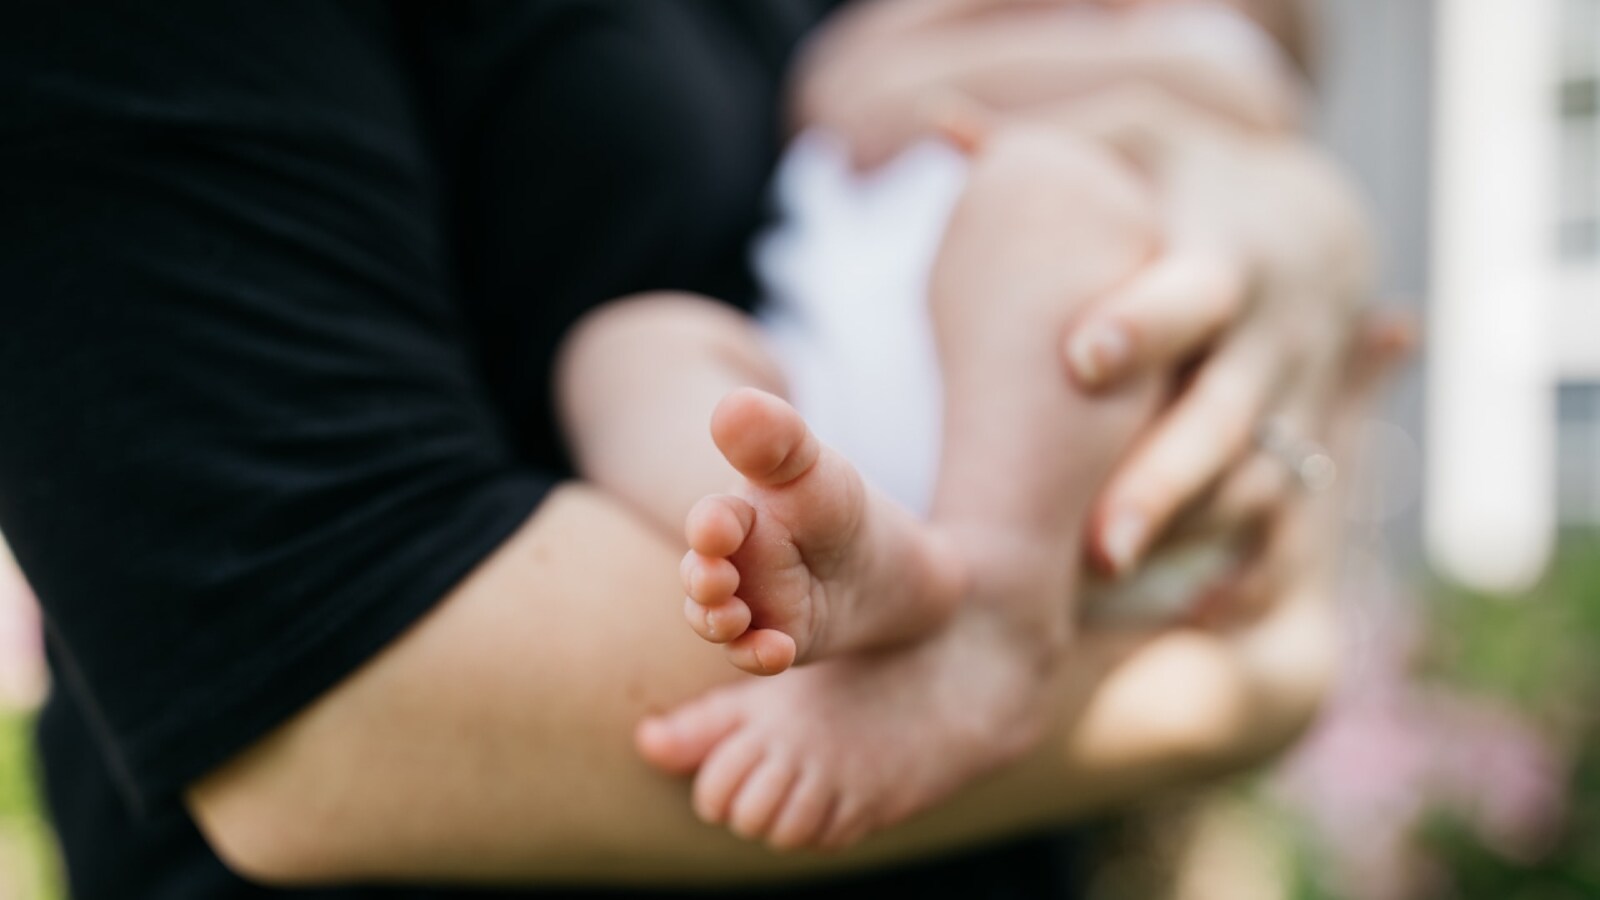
column 681, row 740
column 709, row 580
column 718, row 624
column 722, row 775
column 763, row 437
column 761, row 798
column 718, row 525
column 805, row 812
column 764, row 651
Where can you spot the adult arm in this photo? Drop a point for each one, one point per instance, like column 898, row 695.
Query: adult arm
column 884, row 74
column 234, row 382
column 1286, row 20
column 1266, row 278
column 492, row 742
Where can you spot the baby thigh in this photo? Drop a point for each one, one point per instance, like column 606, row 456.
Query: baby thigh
column 636, row 383
column 1047, row 225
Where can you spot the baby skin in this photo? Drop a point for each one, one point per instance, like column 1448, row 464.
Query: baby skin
column 930, row 645
column 805, row 561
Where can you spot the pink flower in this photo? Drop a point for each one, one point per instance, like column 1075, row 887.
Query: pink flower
column 1390, row 751
column 22, row 678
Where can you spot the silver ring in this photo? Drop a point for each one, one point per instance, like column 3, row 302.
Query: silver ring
column 1308, row 461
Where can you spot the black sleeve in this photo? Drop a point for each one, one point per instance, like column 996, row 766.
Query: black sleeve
column 242, row 443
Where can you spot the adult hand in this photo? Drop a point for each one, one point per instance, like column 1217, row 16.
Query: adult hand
column 1255, row 303
column 1267, row 262
column 1295, row 537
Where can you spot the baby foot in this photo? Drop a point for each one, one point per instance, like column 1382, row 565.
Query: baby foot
column 831, row 753
column 807, row 561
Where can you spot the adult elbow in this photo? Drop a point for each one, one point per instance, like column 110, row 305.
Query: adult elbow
column 260, row 830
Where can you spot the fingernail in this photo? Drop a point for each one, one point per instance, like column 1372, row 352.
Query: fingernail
column 1097, row 351
column 1122, row 539
column 654, row 730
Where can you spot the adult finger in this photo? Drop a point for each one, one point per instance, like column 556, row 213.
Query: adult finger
column 1385, row 340
column 1261, row 486
column 1212, row 424
column 1289, row 551
column 1244, row 594
column 1247, row 496
column 1163, row 318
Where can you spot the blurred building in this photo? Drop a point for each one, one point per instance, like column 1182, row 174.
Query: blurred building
column 1578, row 402
column 1474, row 126
column 1513, row 421
column 1375, row 81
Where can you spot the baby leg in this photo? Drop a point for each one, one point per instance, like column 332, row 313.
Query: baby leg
column 803, row 559
column 833, row 752
column 1048, row 223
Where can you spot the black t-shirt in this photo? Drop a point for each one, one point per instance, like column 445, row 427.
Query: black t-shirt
column 282, row 282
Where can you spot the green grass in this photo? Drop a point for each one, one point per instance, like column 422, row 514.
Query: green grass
column 28, row 870
column 1539, row 652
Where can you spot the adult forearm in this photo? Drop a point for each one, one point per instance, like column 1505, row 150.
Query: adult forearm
column 885, row 90
column 493, row 743
column 1034, row 59
column 1287, row 21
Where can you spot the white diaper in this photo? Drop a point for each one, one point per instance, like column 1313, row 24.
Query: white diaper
column 844, row 276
